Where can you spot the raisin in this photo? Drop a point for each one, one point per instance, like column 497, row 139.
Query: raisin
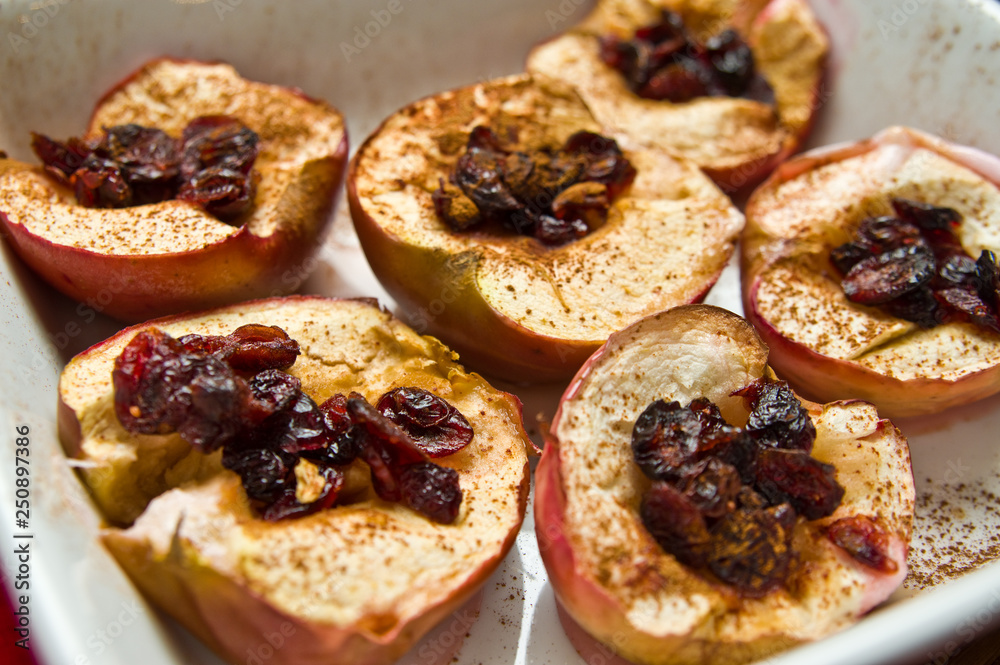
column 604, row 161
column 777, row 418
column 712, row 486
column 431, row 490
column 435, row 426
column 751, row 549
column 274, row 392
column 732, row 60
column 266, row 474
column 792, row 476
column 665, row 438
column 863, row 538
column 555, row 195
column 220, row 191
column 674, row 522
column 479, row 173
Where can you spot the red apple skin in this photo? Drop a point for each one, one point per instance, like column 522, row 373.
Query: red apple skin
column 739, row 176
column 241, row 266
column 234, row 620
column 824, row 378
column 601, row 614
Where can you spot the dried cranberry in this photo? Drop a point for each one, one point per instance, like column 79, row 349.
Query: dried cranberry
column 888, row 275
column 862, row 538
column 792, row 476
column 100, row 183
column 210, row 165
column 288, row 504
column 435, row 426
column 148, row 159
column 258, row 347
column 220, row 191
column 431, row 490
column 384, row 446
column 920, row 306
column 988, row 279
column 341, row 446
column 674, row 522
column 662, row 62
column 61, row 160
column 926, row 216
column 751, row 549
column 777, row 417
column 913, row 266
column 159, row 388
column 967, row 304
column 218, row 141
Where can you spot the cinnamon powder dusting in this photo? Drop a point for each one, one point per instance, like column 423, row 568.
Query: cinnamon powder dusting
column 949, row 540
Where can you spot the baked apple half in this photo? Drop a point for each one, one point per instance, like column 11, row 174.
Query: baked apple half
column 732, row 85
column 503, row 222
column 378, row 488
column 98, row 229
column 870, row 271
column 691, row 509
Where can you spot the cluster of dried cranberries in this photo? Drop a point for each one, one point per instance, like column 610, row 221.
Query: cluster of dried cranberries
column 210, row 165
column 663, row 62
column 913, row 266
column 553, row 194
column 726, row 498
column 231, row 392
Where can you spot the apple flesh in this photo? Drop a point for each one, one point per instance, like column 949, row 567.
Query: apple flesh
column 358, row 583
column 619, row 585
column 512, row 307
column 830, row 348
column 150, row 260
column 736, row 141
